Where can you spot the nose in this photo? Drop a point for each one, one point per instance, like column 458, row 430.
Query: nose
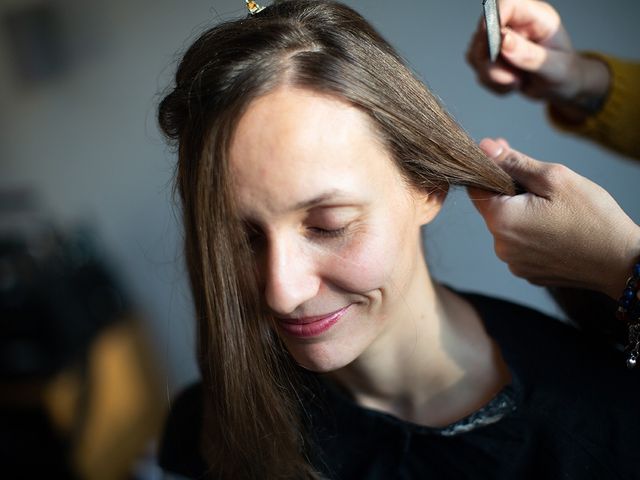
column 290, row 276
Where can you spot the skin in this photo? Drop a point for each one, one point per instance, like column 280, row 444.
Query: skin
column 565, row 231
column 538, row 60
column 333, row 224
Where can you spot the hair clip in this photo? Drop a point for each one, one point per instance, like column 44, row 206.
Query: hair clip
column 253, row 7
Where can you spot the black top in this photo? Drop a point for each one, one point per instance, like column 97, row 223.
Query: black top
column 572, row 411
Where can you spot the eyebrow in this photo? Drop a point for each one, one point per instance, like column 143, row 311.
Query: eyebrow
column 320, row 199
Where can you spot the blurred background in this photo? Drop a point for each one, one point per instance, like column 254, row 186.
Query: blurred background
column 96, row 320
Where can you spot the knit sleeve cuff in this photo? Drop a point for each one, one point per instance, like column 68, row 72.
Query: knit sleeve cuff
column 614, row 124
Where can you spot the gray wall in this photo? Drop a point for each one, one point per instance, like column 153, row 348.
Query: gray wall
column 87, row 143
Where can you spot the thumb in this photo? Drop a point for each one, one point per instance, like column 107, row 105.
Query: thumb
column 529, row 173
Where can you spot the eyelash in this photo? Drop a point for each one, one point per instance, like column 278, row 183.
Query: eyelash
column 255, row 236
column 321, row 232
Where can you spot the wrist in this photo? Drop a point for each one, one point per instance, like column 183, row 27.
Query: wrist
column 621, row 270
column 586, row 91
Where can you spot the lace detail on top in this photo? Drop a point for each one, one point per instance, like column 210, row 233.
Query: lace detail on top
column 502, row 404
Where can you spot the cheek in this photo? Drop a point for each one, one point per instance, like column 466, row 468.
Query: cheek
column 367, row 262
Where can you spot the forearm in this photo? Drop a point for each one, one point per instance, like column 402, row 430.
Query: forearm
column 614, row 125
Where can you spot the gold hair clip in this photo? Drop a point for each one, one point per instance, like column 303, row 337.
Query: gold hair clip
column 253, row 7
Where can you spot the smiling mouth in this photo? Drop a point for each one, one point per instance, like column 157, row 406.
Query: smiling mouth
column 311, row 326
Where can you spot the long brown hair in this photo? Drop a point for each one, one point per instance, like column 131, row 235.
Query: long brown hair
column 253, row 420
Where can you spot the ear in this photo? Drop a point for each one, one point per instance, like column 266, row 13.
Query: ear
column 428, row 204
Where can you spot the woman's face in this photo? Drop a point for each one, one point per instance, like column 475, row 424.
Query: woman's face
column 334, row 229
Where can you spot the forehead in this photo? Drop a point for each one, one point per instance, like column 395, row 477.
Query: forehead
column 292, row 144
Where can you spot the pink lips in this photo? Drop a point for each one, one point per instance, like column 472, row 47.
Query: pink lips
column 305, row 327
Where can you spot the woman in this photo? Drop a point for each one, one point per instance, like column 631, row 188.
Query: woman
column 309, row 159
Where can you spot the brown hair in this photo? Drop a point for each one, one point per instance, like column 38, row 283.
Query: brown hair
column 253, row 418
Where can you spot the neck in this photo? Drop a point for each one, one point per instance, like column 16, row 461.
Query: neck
column 435, row 363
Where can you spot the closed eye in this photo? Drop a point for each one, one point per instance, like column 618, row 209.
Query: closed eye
column 328, row 233
column 257, row 238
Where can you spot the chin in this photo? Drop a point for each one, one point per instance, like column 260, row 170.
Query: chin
column 334, row 348
column 320, row 358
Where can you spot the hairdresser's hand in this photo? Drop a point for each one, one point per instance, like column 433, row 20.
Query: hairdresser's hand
column 538, row 60
column 566, row 231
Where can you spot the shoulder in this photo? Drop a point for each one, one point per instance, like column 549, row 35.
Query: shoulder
column 575, row 393
column 508, row 322
column 540, row 345
column 546, row 351
column 179, row 446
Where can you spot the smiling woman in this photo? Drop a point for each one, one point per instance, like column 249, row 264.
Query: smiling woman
column 347, row 259
column 309, row 158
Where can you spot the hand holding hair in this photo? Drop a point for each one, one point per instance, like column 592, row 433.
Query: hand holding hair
column 565, row 231
column 538, row 60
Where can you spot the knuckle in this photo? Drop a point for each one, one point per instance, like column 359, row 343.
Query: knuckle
column 556, row 174
column 502, row 251
column 551, row 13
column 512, row 161
column 517, row 270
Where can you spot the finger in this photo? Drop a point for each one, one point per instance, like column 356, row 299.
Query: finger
column 531, row 57
column 503, row 142
column 484, row 201
column 537, row 21
column 493, row 75
column 532, row 174
column 496, row 88
column 493, row 148
column 498, row 77
column 501, row 74
column 522, row 53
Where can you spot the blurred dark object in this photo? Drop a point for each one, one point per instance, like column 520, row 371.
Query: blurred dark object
column 78, row 389
column 55, row 296
column 36, row 42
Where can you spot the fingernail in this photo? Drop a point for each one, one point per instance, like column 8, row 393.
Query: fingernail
column 491, row 148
